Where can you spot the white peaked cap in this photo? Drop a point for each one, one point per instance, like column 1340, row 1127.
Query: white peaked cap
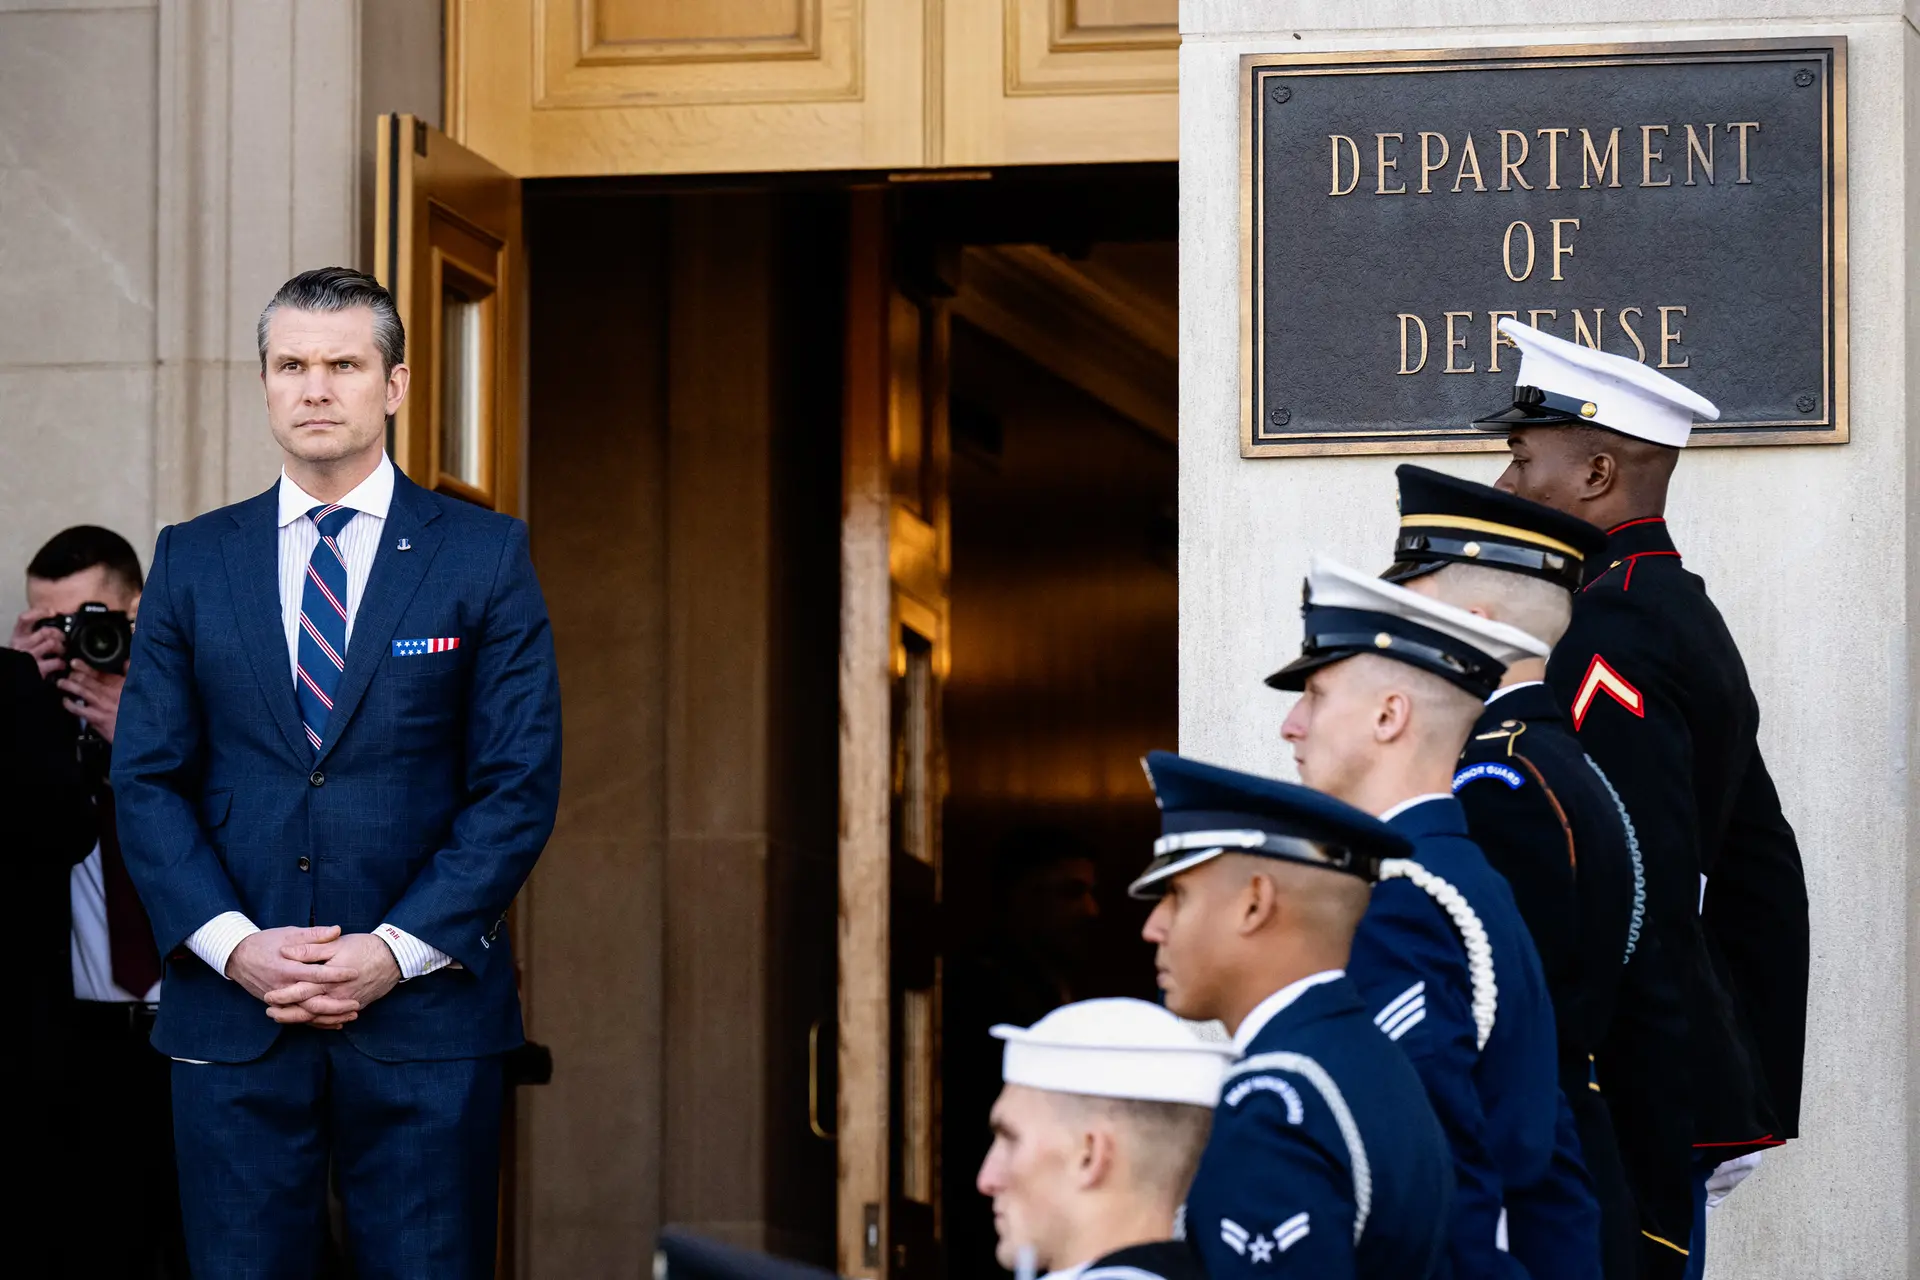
column 1610, row 391
column 1331, row 585
column 1114, row 1048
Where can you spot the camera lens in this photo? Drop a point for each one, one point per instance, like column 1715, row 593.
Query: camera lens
column 99, row 645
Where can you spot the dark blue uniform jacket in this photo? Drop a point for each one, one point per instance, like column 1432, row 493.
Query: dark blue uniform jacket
column 1325, row 1161
column 1500, row 1106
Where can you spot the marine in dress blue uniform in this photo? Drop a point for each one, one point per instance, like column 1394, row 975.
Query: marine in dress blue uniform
column 1442, row 959
column 1547, row 818
column 1325, row 1160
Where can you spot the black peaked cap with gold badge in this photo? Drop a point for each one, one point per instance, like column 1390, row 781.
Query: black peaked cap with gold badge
column 1447, row 520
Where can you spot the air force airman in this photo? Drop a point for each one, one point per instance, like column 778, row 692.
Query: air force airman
column 1660, row 699
column 1392, row 682
column 1543, row 813
column 1326, row 1161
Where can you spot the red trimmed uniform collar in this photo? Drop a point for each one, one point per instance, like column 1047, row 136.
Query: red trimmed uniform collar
column 1627, row 542
column 1639, row 537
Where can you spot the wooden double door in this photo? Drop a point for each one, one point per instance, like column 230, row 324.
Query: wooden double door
column 451, row 244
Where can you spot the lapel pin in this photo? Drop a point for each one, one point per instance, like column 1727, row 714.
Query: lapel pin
column 403, row 545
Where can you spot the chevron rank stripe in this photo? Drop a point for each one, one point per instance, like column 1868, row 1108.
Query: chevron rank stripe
column 1292, row 1231
column 1403, row 1012
column 1602, row 678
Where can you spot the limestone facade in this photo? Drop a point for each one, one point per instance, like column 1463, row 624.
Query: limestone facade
column 1809, row 552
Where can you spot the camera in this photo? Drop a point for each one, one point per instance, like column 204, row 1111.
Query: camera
column 96, row 635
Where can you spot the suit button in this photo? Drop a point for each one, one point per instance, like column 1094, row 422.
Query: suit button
column 317, row 778
column 305, row 864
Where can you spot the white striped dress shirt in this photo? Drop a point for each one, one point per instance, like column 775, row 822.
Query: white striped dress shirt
column 215, row 940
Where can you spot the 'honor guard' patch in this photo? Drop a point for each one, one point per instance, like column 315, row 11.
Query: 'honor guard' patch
column 1296, row 1112
column 1474, row 772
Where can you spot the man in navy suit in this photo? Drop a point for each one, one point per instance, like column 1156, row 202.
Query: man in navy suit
column 1325, row 1160
column 338, row 758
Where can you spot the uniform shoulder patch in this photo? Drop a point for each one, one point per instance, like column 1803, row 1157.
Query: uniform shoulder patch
column 1277, row 1085
column 1602, row 678
column 1505, row 773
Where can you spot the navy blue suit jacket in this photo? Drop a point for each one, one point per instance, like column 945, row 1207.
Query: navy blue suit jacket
column 426, row 806
column 1279, row 1188
column 1500, row 1105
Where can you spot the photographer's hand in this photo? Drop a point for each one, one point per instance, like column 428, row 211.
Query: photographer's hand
column 94, row 696
column 47, row 645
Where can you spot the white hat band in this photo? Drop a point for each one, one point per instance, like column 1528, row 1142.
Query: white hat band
column 1190, row 1076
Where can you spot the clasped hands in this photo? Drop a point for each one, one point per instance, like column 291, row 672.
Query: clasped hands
column 315, row 976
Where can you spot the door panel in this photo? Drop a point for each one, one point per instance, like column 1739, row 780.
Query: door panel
column 447, row 242
column 894, row 659
column 1060, row 81
column 693, row 86
column 448, row 246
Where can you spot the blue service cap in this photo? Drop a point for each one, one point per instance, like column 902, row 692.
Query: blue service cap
column 1206, row 811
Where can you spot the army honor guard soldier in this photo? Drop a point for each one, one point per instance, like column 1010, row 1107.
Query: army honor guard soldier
column 1538, row 807
column 1326, row 1161
column 1392, row 682
column 1660, row 698
column 1096, row 1134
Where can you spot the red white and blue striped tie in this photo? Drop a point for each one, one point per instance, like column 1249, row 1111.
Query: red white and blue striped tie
column 323, row 623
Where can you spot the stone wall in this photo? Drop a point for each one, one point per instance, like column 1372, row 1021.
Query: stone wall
column 1805, row 550
column 163, row 167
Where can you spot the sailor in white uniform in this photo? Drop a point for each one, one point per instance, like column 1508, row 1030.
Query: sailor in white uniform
column 1096, row 1134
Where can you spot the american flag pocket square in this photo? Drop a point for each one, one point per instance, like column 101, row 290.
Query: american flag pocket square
column 414, row 648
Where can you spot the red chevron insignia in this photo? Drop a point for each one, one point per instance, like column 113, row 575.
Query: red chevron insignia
column 1602, row 678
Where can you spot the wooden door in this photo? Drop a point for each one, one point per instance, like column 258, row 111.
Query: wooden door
column 893, row 661
column 590, row 87
column 552, row 88
column 448, row 246
column 1060, row 81
column 447, row 242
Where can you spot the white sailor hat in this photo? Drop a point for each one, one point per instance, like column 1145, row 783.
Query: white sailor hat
column 1114, row 1048
column 1348, row 613
column 1567, row 382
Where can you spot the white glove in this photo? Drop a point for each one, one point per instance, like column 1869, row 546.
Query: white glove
column 1724, row 1178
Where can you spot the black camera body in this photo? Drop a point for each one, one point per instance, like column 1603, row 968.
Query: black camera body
column 96, row 635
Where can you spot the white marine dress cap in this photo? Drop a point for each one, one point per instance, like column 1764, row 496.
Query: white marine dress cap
column 1114, row 1048
column 1563, row 382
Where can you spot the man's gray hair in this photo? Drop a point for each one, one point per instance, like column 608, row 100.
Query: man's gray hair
column 341, row 289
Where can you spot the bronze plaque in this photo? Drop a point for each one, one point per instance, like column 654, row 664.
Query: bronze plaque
column 1680, row 204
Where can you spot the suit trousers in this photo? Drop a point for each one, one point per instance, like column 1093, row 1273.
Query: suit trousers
column 413, row 1149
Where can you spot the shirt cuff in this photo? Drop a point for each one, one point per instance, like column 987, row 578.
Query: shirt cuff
column 215, row 940
column 415, row 958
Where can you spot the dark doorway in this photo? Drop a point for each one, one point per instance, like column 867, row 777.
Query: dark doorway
column 1065, row 615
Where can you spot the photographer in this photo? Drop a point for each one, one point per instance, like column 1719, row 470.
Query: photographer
column 115, row 1121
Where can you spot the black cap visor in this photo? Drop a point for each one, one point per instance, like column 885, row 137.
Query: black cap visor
column 1401, row 572
column 1534, row 407
column 1520, row 415
column 1422, row 551
column 1334, row 635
